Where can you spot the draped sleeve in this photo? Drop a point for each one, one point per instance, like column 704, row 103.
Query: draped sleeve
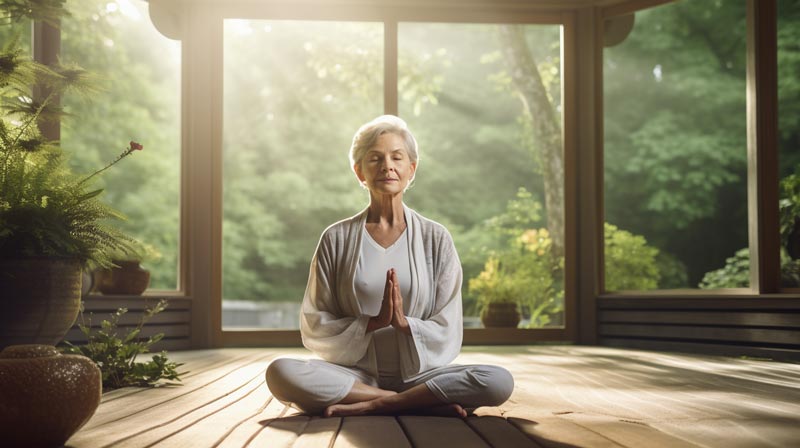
column 436, row 322
column 329, row 325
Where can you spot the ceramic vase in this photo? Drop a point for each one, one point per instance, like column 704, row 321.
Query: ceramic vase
column 128, row 279
column 45, row 397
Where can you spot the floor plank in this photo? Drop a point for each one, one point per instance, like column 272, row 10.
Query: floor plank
column 246, row 427
column 195, row 363
column 498, row 432
column 319, row 432
column 627, row 432
column 151, row 411
column 206, row 422
column 554, row 432
column 379, row 431
column 281, row 433
column 564, row 396
column 436, row 432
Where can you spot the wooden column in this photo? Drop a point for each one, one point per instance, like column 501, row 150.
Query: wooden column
column 202, row 164
column 762, row 146
column 589, row 81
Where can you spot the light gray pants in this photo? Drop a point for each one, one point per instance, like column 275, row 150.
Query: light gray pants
column 312, row 385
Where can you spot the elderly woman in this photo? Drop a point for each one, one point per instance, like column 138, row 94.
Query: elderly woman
column 383, row 304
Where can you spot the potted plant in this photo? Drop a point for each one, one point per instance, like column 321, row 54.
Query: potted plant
column 127, row 276
column 519, row 279
column 498, row 296
column 52, row 222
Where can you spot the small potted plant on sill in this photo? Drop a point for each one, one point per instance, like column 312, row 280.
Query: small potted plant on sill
column 498, row 296
column 127, row 276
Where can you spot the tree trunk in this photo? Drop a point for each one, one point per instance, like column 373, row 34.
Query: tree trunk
column 546, row 128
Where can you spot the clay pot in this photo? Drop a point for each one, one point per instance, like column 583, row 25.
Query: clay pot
column 128, row 279
column 41, row 299
column 501, row 314
column 45, row 397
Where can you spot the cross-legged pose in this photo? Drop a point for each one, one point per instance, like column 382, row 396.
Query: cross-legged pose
column 382, row 306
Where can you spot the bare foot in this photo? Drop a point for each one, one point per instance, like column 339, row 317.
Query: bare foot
column 344, row 410
column 373, row 407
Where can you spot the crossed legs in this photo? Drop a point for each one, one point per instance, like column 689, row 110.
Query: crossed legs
column 318, row 387
column 418, row 398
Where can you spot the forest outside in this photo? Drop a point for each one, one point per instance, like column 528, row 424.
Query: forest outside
column 296, row 91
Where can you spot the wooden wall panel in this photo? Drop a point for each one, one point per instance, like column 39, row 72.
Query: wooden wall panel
column 768, row 327
column 174, row 322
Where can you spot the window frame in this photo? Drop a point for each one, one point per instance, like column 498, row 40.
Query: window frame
column 762, row 162
column 199, row 26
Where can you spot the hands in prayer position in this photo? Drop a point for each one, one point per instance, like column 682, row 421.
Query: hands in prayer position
column 391, row 312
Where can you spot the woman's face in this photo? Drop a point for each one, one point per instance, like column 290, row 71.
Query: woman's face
column 386, row 168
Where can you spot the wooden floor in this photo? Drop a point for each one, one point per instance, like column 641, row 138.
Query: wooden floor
column 565, row 396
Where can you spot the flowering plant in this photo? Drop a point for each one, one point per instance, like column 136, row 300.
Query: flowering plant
column 45, row 209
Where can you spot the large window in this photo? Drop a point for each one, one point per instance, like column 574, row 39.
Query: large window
column 675, row 150
column 491, row 163
column 295, row 92
column 138, row 98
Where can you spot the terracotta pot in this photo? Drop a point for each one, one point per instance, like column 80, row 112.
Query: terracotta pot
column 128, row 279
column 501, row 314
column 45, row 396
column 41, row 299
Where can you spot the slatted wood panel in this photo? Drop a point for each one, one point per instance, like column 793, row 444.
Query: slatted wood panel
column 564, row 396
column 174, row 322
column 754, row 327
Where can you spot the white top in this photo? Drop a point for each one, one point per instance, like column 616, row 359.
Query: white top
column 333, row 324
column 370, row 281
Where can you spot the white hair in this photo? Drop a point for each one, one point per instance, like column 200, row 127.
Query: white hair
column 368, row 134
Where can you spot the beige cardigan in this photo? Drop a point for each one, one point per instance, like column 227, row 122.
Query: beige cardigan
column 332, row 324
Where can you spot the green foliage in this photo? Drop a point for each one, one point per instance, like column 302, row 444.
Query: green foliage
column 520, row 267
column 736, row 272
column 45, row 210
column 630, row 262
column 789, row 205
column 675, row 135
column 526, row 273
column 43, row 10
column 672, row 271
column 116, row 356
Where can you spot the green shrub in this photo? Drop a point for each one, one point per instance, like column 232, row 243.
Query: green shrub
column 673, row 273
column 116, row 356
column 630, row 262
column 736, row 272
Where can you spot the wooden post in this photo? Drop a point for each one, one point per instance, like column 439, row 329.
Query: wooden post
column 762, row 146
column 589, row 80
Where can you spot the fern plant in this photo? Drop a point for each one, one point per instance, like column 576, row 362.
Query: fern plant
column 45, row 210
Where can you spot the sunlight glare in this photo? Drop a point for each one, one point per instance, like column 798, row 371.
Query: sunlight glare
column 240, row 27
column 657, row 74
column 129, row 10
